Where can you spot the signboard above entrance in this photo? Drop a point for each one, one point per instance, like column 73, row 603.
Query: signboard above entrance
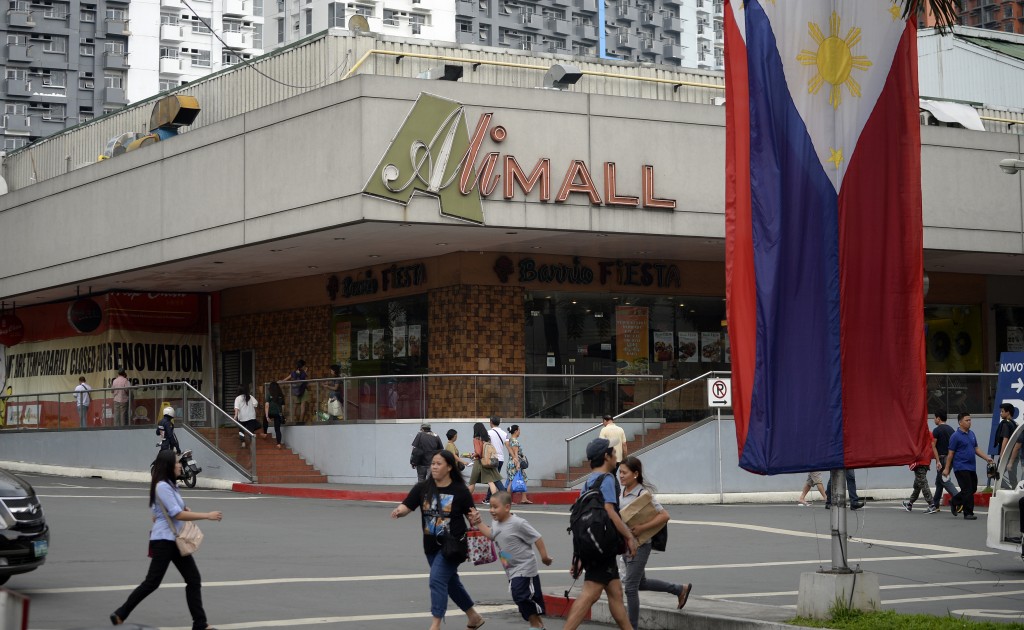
column 433, row 154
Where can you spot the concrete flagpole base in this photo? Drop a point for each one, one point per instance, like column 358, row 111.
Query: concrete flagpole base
column 821, row 591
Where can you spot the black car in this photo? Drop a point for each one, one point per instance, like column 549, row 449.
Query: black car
column 24, row 536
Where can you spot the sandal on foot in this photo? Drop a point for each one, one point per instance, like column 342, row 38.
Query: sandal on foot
column 684, row 596
column 471, row 627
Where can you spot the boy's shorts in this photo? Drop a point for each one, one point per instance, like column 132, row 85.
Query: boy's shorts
column 813, row 478
column 602, row 571
column 527, row 595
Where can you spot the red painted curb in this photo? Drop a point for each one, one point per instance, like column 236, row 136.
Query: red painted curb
column 981, row 499
column 546, row 498
column 556, row 606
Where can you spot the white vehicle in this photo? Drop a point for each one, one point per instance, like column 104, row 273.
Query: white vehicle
column 1004, row 511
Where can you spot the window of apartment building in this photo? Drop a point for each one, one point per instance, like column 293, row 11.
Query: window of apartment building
column 361, row 9
column 280, row 6
column 199, row 26
column 391, row 19
column 16, row 74
column 113, row 80
column 56, row 111
column 110, row 110
column 116, row 15
column 86, row 47
column 15, row 109
column 113, row 47
column 54, row 78
column 21, row 5
column 257, row 8
column 280, row 30
column 257, row 36
column 201, row 58
column 464, row 26
column 169, row 19
column 484, row 34
column 296, row 26
column 308, row 14
column 508, row 8
column 167, row 85
column 16, row 40
column 335, row 15
column 232, row 26
column 52, row 43
column 1008, row 27
column 1007, row 10
column 87, row 15
column 85, row 82
column 11, row 144
column 417, row 22
column 56, row 11
column 166, row 52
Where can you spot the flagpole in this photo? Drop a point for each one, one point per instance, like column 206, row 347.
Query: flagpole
column 837, row 484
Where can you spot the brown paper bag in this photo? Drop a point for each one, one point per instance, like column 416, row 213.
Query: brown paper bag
column 640, row 511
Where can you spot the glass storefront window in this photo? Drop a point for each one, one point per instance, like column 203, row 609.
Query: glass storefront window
column 953, row 338
column 1009, row 328
column 582, row 333
column 377, row 338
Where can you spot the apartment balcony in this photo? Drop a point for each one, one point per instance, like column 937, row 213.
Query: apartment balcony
column 530, row 20
column 586, row 31
column 647, row 45
column 626, row 12
column 14, row 123
column 562, row 3
column 114, row 96
column 19, row 87
column 589, row 6
column 628, row 40
column 237, row 8
column 237, row 39
column 174, row 32
column 719, row 36
column 562, row 27
column 172, row 4
column 172, row 65
column 542, row 47
column 672, row 51
column 116, row 27
column 115, row 61
column 21, row 19
column 678, row 3
column 18, row 53
column 672, row 24
column 465, row 8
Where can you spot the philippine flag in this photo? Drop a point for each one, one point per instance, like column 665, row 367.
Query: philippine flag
column 824, row 262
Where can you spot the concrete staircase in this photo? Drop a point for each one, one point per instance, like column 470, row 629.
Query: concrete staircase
column 655, row 434
column 273, row 465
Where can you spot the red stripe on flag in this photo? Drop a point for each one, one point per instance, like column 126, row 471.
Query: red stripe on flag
column 885, row 417
column 741, row 298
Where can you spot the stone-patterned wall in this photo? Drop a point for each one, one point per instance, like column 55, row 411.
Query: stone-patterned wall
column 281, row 338
column 476, row 329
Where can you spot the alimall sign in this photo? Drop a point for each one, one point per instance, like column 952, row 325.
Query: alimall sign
column 433, row 154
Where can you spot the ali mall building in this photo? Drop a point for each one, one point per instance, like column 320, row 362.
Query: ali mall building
column 488, row 245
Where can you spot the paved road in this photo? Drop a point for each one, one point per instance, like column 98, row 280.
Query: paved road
column 278, row 561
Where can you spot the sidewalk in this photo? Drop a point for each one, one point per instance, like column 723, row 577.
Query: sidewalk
column 385, row 493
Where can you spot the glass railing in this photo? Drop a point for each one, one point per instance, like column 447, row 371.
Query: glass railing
column 956, row 393
column 433, row 396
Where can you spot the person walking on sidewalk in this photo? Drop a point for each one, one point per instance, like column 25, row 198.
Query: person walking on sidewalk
column 940, row 444
column 963, row 446
column 856, row 502
column 499, row 440
column 634, row 579
column 813, row 479
column 614, row 434
column 920, row 469
column 424, row 445
column 480, row 473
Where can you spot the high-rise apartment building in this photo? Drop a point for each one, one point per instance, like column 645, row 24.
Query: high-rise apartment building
column 288, row 21
column 996, row 15
column 65, row 62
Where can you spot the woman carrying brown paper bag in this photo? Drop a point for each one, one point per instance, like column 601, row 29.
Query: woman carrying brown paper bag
column 634, row 580
column 162, row 548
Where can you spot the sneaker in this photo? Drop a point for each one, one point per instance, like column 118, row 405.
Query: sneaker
column 970, row 517
column 858, row 504
column 932, row 510
column 907, row 505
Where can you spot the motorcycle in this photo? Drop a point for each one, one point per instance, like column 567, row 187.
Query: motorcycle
column 189, row 469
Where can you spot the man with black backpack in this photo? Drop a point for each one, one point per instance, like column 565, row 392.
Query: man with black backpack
column 598, row 535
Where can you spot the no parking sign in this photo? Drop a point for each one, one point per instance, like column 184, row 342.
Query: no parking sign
column 720, row 392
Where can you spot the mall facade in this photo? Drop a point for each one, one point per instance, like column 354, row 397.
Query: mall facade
column 400, row 227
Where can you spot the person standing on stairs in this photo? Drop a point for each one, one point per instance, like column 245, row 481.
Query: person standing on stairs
column 614, row 434
column 274, row 410
column 245, row 412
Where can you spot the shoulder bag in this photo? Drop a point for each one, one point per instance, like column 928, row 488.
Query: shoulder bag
column 490, row 457
column 523, row 462
column 189, row 538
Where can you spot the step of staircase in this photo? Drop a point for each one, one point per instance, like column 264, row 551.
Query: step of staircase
column 273, row 465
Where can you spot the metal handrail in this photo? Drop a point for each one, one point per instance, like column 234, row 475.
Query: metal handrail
column 643, row 422
column 570, row 396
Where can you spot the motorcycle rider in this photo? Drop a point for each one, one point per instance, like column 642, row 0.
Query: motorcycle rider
column 166, row 431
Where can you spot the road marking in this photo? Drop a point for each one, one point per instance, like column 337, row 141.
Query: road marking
column 884, row 587
column 188, row 497
column 984, row 612
column 309, row 621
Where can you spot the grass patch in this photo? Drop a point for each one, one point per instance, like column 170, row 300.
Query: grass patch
column 849, row 619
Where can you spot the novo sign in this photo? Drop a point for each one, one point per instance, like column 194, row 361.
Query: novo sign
column 434, row 154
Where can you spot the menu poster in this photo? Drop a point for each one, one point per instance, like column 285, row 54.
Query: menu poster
column 711, row 347
column 632, row 349
column 1015, row 339
column 727, row 347
column 414, row 341
column 663, row 347
column 688, row 342
column 398, row 340
column 363, row 348
column 377, row 347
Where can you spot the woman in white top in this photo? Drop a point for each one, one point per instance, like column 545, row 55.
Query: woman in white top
column 245, row 413
column 164, row 498
column 634, row 580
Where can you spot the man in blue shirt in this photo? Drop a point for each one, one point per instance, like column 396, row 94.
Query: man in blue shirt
column 963, row 446
column 603, row 576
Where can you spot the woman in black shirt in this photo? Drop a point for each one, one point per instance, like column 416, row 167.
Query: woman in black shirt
column 445, row 502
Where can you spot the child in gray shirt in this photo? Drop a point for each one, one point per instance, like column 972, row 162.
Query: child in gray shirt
column 515, row 538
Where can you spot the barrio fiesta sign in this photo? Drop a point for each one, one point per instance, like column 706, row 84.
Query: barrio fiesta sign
column 433, row 154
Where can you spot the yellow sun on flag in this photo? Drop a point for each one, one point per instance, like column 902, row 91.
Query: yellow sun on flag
column 834, row 59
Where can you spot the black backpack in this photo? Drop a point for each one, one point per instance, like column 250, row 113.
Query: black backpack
column 594, row 537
